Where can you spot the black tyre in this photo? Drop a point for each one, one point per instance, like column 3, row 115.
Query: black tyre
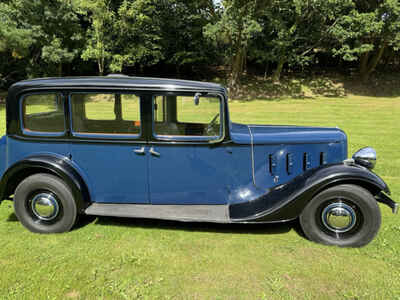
column 344, row 215
column 43, row 203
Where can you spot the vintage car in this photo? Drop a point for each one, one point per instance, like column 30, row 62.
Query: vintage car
column 166, row 149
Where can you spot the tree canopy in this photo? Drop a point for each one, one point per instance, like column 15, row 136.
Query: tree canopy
column 87, row 37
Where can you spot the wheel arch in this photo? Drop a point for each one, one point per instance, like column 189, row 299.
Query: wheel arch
column 290, row 200
column 318, row 183
column 372, row 186
column 57, row 166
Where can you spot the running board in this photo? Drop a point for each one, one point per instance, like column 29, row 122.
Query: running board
column 184, row 213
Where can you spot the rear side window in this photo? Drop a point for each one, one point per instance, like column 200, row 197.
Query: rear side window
column 106, row 113
column 43, row 113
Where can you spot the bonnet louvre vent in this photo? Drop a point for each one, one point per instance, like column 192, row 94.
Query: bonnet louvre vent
column 322, row 158
column 289, row 163
column 306, row 161
column 272, row 164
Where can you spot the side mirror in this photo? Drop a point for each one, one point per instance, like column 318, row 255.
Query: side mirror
column 197, row 99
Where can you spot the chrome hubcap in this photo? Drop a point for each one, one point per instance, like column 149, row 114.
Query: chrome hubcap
column 339, row 217
column 45, row 206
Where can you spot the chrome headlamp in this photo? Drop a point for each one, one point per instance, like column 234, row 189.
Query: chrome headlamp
column 365, row 157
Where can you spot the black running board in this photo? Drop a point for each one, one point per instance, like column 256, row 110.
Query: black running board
column 185, row 213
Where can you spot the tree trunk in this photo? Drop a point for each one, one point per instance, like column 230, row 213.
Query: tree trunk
column 277, row 74
column 236, row 72
column 388, row 59
column 60, row 69
column 244, row 60
column 364, row 63
column 266, row 69
column 367, row 67
column 237, row 65
column 100, row 62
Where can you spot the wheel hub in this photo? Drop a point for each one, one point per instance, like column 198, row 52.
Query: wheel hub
column 339, row 217
column 45, row 206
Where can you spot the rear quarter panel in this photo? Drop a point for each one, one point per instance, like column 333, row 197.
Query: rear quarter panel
column 3, row 155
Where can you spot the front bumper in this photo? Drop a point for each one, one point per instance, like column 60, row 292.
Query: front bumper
column 383, row 198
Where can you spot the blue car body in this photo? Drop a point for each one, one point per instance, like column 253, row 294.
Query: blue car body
column 255, row 173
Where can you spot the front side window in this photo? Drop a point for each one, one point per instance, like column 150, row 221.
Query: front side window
column 104, row 113
column 43, row 113
column 191, row 116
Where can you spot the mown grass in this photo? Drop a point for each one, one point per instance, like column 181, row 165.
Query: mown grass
column 113, row 258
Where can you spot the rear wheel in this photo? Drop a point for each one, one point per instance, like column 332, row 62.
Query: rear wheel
column 344, row 215
column 44, row 203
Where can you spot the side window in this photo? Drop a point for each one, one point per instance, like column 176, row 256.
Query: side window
column 104, row 113
column 43, row 113
column 182, row 116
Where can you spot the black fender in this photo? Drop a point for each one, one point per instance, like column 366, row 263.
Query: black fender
column 46, row 163
column 286, row 202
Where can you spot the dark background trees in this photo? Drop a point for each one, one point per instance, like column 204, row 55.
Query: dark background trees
column 191, row 39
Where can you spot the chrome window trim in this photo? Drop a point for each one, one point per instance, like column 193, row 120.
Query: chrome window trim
column 35, row 133
column 106, row 136
column 189, row 138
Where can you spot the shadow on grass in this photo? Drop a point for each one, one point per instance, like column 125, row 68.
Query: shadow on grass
column 230, row 228
column 297, row 87
column 12, row 218
column 235, row 228
column 83, row 220
column 312, row 86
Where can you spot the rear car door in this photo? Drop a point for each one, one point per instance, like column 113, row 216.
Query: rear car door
column 108, row 145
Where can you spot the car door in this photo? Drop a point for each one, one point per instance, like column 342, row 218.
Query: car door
column 187, row 162
column 108, row 145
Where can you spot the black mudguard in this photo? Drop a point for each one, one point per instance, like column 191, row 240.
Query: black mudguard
column 286, row 202
column 56, row 165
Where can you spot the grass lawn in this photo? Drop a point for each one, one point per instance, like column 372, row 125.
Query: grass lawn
column 113, row 258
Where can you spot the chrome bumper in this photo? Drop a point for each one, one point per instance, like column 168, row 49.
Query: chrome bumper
column 383, row 198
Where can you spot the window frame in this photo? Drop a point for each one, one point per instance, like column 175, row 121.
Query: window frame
column 109, row 136
column 34, row 133
column 189, row 138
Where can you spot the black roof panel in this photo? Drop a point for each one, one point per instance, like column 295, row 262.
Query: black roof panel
column 115, row 81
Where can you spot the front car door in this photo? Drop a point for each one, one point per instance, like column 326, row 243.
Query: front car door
column 188, row 163
column 108, row 145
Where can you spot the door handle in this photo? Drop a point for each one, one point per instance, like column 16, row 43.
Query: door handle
column 139, row 151
column 153, row 152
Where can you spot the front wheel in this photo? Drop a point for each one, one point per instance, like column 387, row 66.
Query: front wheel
column 44, row 203
column 344, row 215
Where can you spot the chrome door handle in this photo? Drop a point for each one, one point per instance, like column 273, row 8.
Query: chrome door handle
column 139, row 151
column 153, row 152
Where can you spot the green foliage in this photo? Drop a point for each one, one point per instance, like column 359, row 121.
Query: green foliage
column 122, row 35
column 235, row 28
column 366, row 31
column 294, row 31
column 55, row 53
column 137, row 32
column 182, row 24
column 60, row 37
column 42, row 33
column 99, row 33
column 14, row 37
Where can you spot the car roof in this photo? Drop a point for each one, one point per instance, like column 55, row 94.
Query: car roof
column 115, row 82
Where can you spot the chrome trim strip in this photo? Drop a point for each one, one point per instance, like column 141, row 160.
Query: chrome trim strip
column 252, row 156
column 184, row 213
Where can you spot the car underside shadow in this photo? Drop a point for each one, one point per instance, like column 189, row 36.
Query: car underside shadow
column 236, row 228
column 83, row 220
